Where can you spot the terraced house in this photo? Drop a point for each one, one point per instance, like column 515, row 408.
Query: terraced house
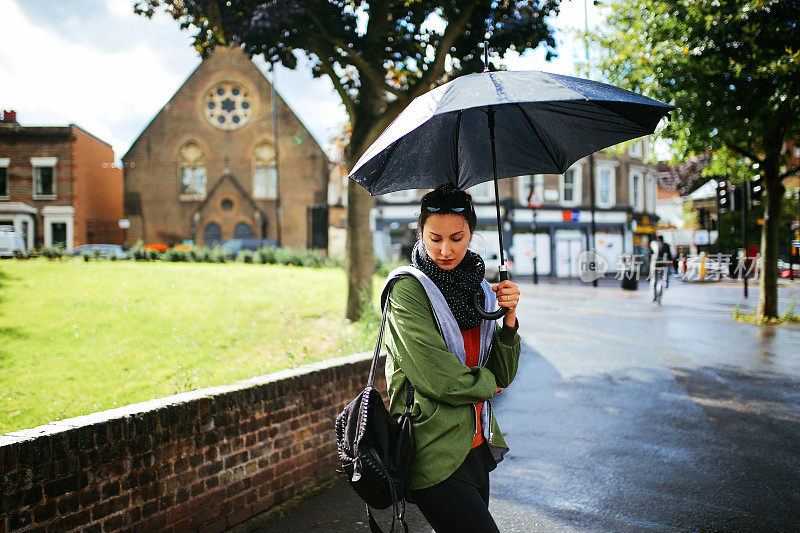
column 58, row 185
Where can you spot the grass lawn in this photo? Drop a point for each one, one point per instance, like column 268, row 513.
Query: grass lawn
column 79, row 337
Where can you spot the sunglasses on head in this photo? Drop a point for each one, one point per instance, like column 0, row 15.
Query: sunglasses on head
column 449, row 204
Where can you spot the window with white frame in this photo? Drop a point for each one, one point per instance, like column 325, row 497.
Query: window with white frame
column 636, row 149
column 636, row 184
column 193, row 171
column 265, row 173
column 44, row 177
column 482, row 192
column 569, row 185
column 650, row 193
column 524, row 185
column 605, row 189
column 4, row 161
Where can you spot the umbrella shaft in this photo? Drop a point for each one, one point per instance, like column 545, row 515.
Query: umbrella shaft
column 490, row 113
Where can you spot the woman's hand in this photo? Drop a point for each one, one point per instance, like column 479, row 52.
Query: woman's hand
column 508, row 296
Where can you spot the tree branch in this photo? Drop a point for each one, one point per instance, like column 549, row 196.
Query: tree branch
column 751, row 156
column 357, row 60
column 347, row 100
column 436, row 68
column 790, row 172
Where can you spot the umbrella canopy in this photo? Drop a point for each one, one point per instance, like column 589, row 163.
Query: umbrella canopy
column 542, row 124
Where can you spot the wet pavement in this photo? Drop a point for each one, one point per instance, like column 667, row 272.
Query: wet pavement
column 627, row 417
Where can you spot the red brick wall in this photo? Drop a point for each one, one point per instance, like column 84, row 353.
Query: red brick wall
column 152, row 169
column 203, row 460
column 97, row 184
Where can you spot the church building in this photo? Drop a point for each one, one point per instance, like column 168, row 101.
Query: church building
column 207, row 167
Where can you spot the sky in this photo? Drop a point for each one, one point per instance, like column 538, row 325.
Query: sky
column 96, row 64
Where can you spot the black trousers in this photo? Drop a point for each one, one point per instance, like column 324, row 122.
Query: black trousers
column 460, row 503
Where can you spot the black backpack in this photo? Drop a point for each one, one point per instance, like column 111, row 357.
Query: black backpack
column 375, row 451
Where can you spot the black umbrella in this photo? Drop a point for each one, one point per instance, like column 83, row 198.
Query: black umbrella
column 500, row 124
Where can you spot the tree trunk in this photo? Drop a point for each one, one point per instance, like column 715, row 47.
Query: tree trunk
column 359, row 260
column 360, row 257
column 768, row 284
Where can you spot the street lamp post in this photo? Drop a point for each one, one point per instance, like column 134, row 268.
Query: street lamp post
column 591, row 156
column 745, row 206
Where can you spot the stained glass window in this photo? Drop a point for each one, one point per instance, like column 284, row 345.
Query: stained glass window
column 228, row 106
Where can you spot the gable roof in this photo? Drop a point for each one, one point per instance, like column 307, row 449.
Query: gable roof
column 220, row 59
column 227, row 175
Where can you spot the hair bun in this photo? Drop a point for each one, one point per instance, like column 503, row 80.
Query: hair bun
column 446, row 187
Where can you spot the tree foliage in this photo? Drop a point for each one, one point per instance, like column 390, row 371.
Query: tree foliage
column 732, row 70
column 379, row 55
column 731, row 67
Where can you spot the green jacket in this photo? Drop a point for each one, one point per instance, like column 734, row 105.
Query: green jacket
column 445, row 390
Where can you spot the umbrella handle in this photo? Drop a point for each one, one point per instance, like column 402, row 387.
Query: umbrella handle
column 494, row 315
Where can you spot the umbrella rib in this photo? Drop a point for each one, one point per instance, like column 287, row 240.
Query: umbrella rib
column 392, row 148
column 458, row 134
column 536, row 132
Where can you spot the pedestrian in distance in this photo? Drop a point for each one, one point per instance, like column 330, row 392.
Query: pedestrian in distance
column 660, row 262
column 456, row 362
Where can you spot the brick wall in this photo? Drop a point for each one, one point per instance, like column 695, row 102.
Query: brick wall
column 203, row 460
column 152, row 163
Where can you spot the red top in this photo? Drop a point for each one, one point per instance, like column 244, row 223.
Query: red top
column 472, row 346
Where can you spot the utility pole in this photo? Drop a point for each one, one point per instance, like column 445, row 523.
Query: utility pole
column 745, row 206
column 534, row 204
column 591, row 156
column 719, row 221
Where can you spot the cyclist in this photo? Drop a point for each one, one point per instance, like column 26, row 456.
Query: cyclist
column 660, row 263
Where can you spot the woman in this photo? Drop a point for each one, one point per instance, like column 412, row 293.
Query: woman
column 456, row 362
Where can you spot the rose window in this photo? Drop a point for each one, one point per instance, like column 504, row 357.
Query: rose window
column 228, row 106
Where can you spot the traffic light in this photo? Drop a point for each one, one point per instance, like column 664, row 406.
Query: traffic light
column 723, row 197
column 756, row 190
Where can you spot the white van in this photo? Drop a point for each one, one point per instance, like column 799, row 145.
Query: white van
column 10, row 242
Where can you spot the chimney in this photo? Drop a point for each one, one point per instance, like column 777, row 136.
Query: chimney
column 10, row 117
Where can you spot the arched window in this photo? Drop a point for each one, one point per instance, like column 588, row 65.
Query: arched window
column 191, row 161
column 265, row 174
column 242, row 231
column 212, row 235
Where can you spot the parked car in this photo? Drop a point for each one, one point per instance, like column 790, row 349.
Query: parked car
column 492, row 262
column 104, row 251
column 785, row 269
column 232, row 247
column 11, row 243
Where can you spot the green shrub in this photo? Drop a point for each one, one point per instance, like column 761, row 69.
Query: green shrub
column 176, row 256
column 218, row 255
column 265, row 255
column 383, row 269
column 137, row 252
column 285, row 256
column 51, row 252
column 334, row 261
column 245, row 256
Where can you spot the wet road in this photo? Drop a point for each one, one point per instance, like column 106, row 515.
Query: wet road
column 625, row 417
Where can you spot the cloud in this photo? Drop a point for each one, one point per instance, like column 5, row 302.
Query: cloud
column 96, row 64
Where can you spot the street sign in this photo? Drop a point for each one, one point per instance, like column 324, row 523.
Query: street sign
column 534, row 200
column 124, row 223
column 796, row 244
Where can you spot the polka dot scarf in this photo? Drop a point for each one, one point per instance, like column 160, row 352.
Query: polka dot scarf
column 457, row 285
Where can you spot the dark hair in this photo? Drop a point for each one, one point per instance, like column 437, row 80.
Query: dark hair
column 660, row 238
column 446, row 198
